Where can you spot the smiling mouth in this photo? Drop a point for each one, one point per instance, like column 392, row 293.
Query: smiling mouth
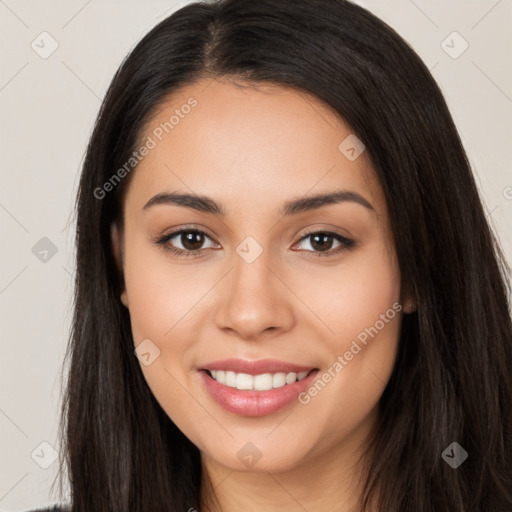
column 259, row 382
column 257, row 394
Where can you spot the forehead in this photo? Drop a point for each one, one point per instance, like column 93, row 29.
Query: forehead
column 255, row 145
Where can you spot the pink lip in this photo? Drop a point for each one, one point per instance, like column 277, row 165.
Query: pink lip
column 255, row 403
column 255, row 367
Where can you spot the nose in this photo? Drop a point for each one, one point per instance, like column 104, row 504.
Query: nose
column 254, row 300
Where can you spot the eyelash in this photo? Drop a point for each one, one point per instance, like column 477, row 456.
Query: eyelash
column 346, row 243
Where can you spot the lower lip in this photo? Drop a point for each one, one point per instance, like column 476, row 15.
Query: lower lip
column 255, row 403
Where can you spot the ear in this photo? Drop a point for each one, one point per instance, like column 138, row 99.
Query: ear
column 117, row 249
column 410, row 304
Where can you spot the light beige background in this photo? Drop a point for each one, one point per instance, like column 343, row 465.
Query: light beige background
column 48, row 107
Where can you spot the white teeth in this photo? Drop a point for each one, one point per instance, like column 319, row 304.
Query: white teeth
column 243, row 381
column 291, row 377
column 261, row 382
column 278, row 380
column 230, row 379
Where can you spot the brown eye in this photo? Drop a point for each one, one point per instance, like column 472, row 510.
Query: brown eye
column 190, row 240
column 321, row 242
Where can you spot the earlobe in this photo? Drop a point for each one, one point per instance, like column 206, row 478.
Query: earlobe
column 124, row 298
column 409, row 301
column 118, row 256
column 409, row 305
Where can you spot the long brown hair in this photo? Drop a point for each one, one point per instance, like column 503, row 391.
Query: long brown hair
column 451, row 381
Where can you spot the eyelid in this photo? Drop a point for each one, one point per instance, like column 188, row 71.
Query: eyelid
column 187, row 228
column 345, row 242
column 163, row 240
column 327, row 230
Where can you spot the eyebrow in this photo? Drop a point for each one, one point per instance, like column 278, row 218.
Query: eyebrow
column 205, row 204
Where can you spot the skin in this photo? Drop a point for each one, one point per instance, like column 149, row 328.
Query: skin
column 251, row 149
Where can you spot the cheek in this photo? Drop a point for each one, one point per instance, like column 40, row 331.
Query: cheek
column 160, row 294
column 343, row 301
column 349, row 388
column 358, row 302
column 161, row 304
column 351, row 296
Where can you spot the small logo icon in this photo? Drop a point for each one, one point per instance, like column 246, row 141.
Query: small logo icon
column 352, row 147
column 249, row 455
column 454, row 45
column 249, row 250
column 147, row 352
column 507, row 192
column 454, row 455
column 44, row 455
column 44, row 45
column 44, row 250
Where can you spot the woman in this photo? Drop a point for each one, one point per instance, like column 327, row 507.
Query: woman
column 287, row 292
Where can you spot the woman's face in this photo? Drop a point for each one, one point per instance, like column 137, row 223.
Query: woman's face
column 311, row 284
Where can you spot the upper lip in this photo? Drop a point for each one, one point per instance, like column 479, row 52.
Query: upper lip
column 255, row 367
